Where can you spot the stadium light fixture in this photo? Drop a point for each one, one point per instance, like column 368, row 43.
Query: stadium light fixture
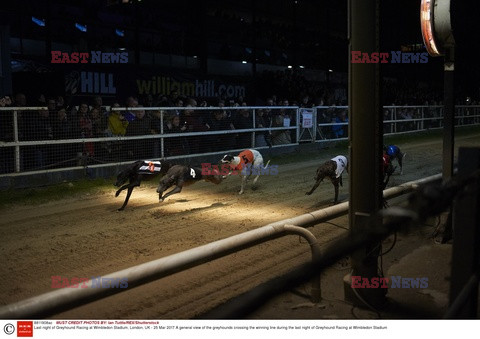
column 436, row 26
column 244, row 62
column 81, row 28
column 39, row 22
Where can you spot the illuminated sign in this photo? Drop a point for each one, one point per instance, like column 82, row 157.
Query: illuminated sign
column 435, row 25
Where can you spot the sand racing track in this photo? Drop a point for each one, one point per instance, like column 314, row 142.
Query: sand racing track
column 86, row 236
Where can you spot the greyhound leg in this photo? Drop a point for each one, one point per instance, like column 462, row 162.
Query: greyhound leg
column 122, row 188
column 129, row 192
column 177, row 189
column 400, row 162
column 257, row 169
column 162, row 187
column 244, row 181
column 314, row 187
column 335, row 184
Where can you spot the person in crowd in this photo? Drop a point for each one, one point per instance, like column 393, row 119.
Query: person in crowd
column 280, row 137
column 243, row 120
column 194, row 122
column 97, row 103
column 289, row 118
column 141, row 125
column 41, row 101
column 261, row 121
column 20, row 100
column 156, row 128
column 176, row 145
column 100, row 130
column 99, row 123
column 85, row 124
column 281, row 119
column 85, row 129
column 131, row 102
column 6, row 135
column 338, row 129
column 218, row 122
column 52, row 107
column 62, row 129
column 38, row 128
column 60, row 102
column 117, row 124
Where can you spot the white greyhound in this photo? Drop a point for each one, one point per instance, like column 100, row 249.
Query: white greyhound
column 247, row 162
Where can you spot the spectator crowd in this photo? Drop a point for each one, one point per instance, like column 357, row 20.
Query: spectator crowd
column 64, row 119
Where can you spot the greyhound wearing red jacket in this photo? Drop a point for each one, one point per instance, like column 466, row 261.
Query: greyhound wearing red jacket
column 243, row 163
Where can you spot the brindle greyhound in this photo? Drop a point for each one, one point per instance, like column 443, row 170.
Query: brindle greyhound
column 180, row 176
column 332, row 169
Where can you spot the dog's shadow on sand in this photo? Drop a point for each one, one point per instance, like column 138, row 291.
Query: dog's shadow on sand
column 155, row 204
column 214, row 205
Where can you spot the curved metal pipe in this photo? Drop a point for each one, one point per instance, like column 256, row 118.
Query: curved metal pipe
column 315, row 247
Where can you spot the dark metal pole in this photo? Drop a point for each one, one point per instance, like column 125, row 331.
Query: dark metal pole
column 448, row 129
column 449, row 114
column 366, row 139
column 465, row 251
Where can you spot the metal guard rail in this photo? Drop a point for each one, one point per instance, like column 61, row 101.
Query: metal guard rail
column 60, row 300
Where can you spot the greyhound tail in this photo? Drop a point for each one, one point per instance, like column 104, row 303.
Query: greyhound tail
column 265, row 167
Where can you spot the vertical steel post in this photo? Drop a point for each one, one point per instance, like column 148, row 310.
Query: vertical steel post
column 448, row 129
column 15, row 138
column 162, row 139
column 366, row 140
column 448, row 114
column 254, row 126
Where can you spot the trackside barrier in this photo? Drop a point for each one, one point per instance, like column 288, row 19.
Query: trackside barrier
column 64, row 299
column 22, row 153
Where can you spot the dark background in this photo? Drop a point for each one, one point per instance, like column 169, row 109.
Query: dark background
column 312, row 34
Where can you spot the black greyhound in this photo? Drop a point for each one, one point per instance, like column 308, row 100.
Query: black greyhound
column 138, row 172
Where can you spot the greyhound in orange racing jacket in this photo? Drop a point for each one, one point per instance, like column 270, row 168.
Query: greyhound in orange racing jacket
column 243, row 163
